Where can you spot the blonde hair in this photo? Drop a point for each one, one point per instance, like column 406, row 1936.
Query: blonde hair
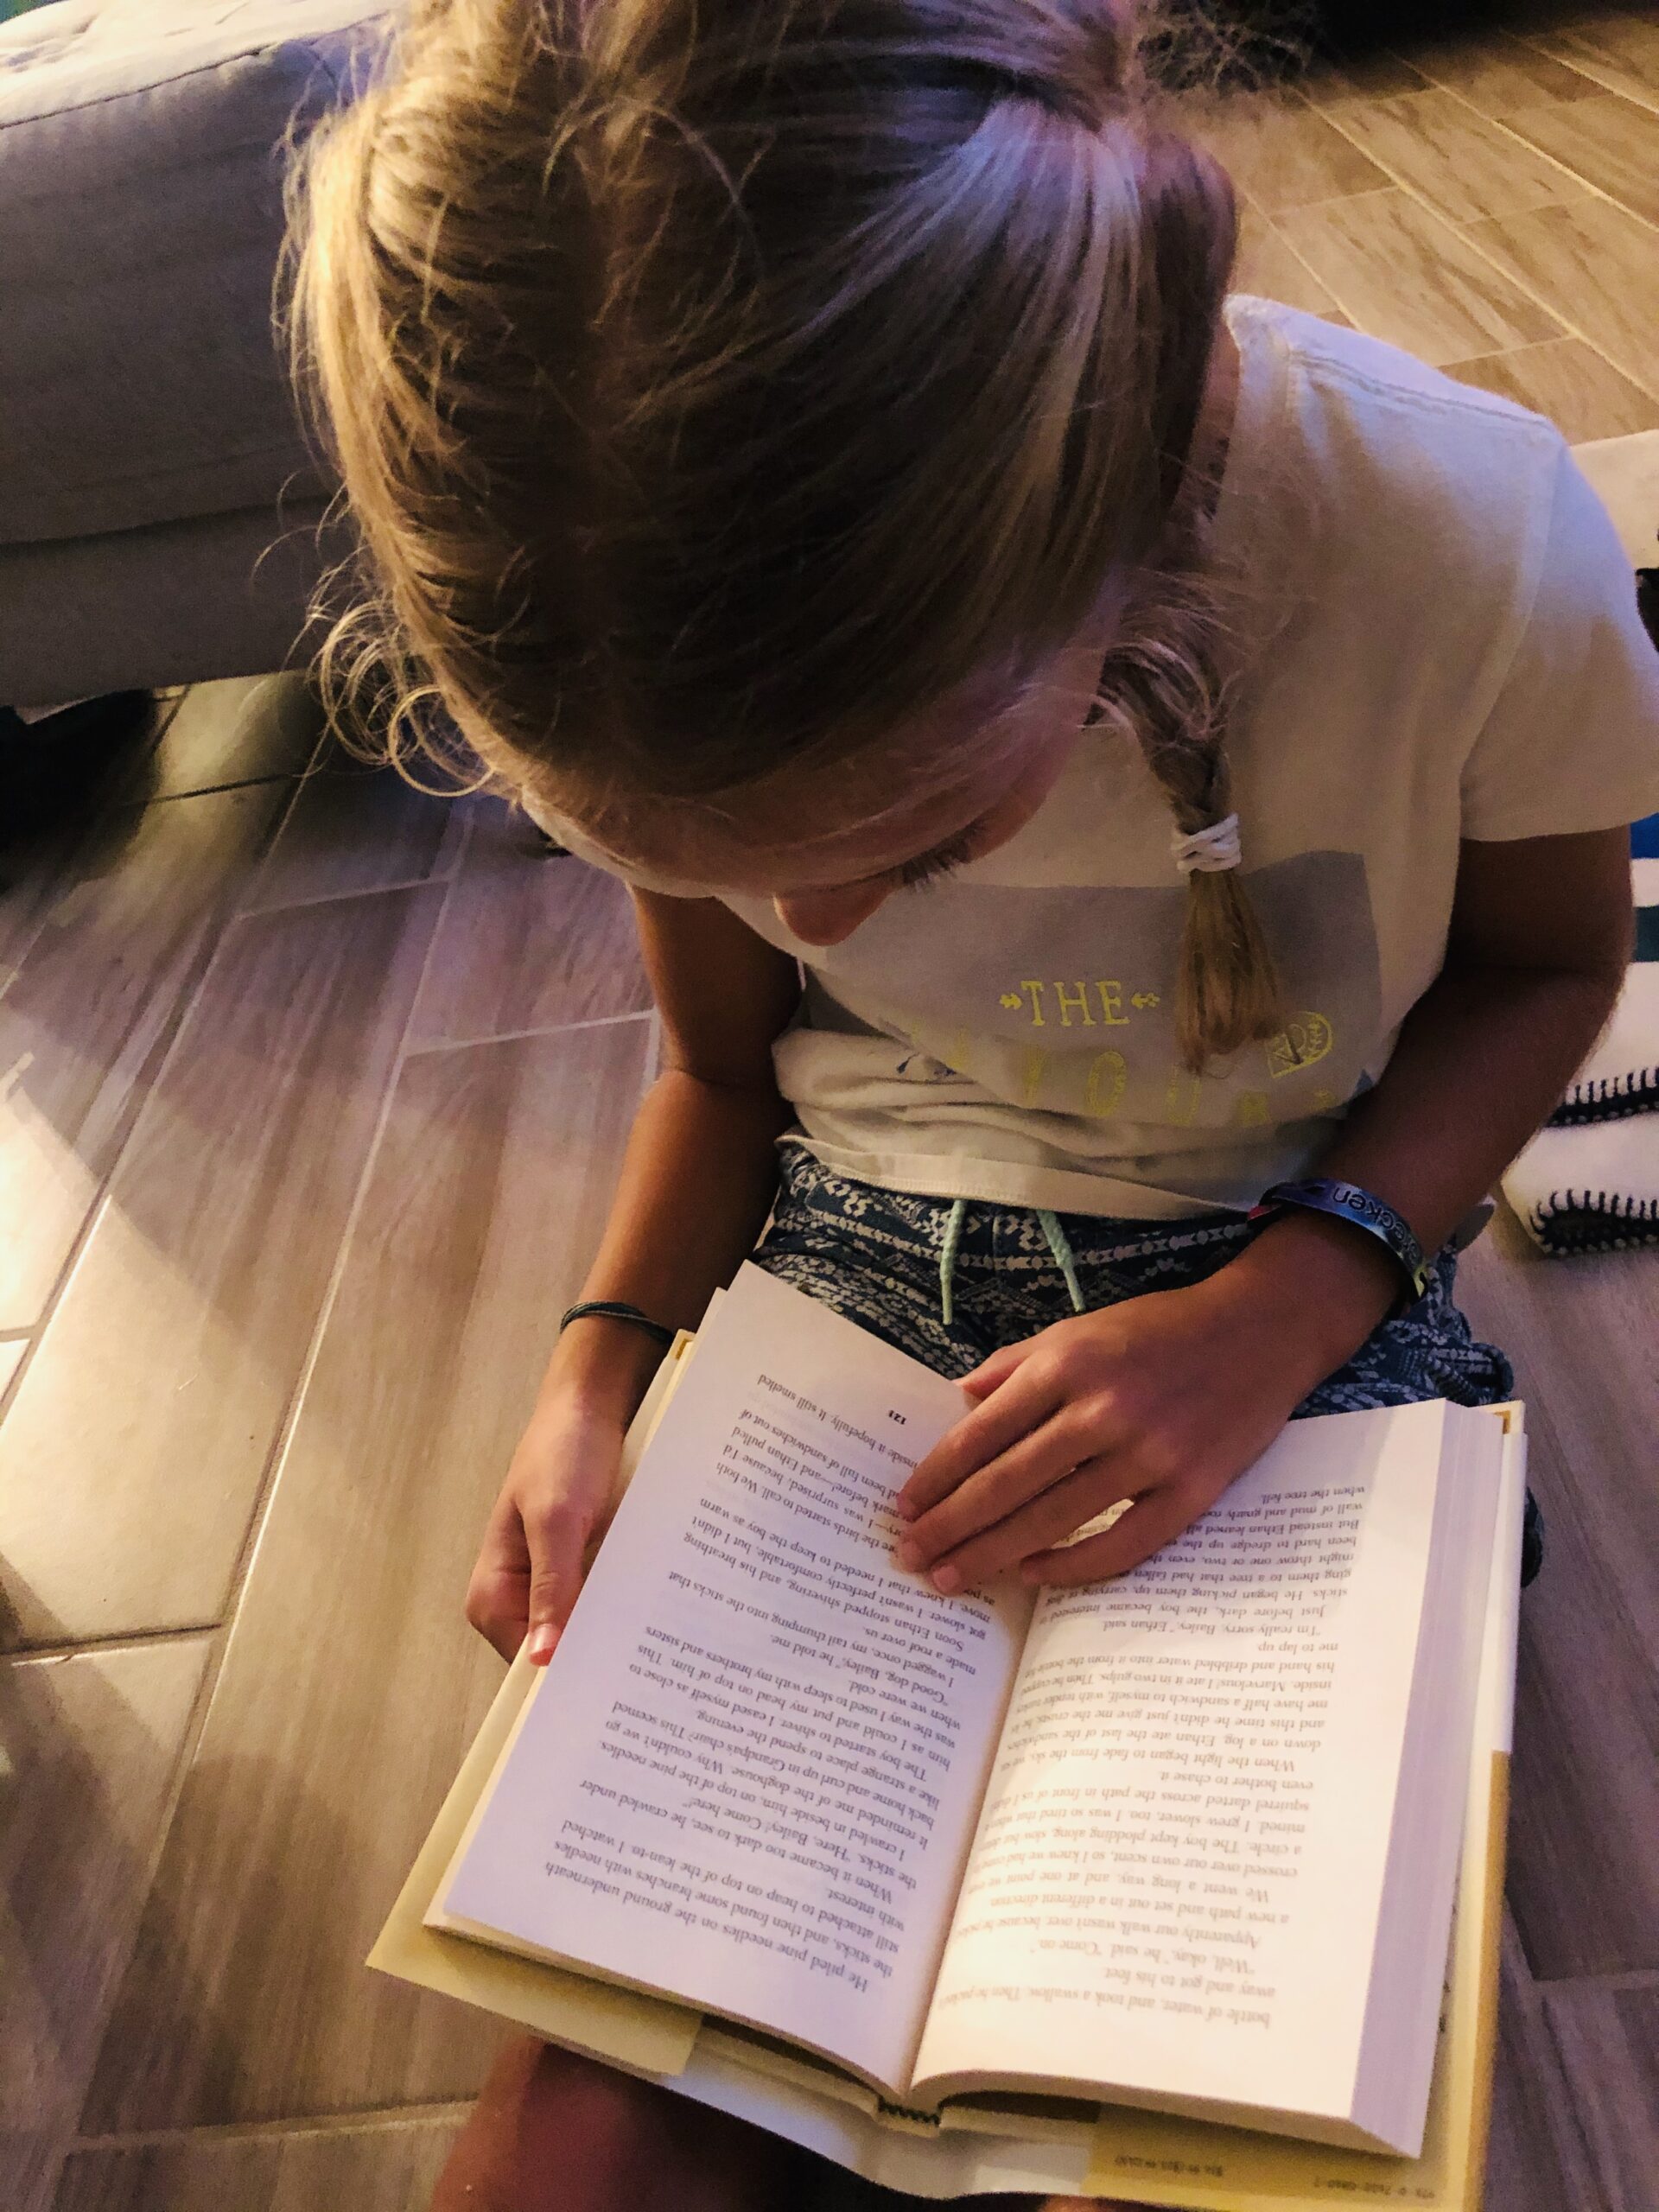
column 716, row 384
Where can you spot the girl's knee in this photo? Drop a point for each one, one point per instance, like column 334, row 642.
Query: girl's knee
column 555, row 2132
column 548, row 2128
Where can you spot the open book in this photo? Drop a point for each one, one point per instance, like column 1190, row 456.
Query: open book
column 1185, row 1841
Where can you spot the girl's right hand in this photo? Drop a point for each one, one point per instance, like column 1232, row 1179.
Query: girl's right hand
column 554, row 1502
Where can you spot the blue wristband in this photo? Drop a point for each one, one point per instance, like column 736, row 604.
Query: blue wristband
column 1361, row 1209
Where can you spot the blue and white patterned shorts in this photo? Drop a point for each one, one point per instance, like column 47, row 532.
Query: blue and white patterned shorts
column 873, row 1255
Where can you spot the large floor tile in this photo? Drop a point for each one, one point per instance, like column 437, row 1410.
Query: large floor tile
column 1610, row 141
column 1619, row 50
column 32, row 881
column 1497, row 74
column 137, row 1443
column 11, row 1355
column 1267, row 267
column 1284, row 154
column 1599, row 263
column 88, row 1747
column 1584, row 1883
column 352, row 1684
column 1584, row 395
column 530, row 941
column 373, row 2166
column 352, row 829
column 1379, row 75
column 1434, row 144
column 1405, row 275
column 1607, row 2037
column 238, row 731
column 91, row 1007
column 1536, row 2155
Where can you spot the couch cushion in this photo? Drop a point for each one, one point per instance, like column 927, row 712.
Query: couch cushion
column 179, row 602
column 140, row 223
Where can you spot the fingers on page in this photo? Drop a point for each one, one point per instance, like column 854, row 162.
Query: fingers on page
column 1037, row 1525
column 1044, row 1456
column 991, row 1374
column 1157, row 1517
column 977, row 1438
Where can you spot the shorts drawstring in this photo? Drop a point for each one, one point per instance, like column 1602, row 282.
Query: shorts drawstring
column 954, row 1220
column 1057, row 1245
column 1062, row 1259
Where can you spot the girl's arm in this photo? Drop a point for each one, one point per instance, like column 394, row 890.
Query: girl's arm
column 700, row 1170
column 1166, row 1398
column 1540, row 939
column 697, row 1180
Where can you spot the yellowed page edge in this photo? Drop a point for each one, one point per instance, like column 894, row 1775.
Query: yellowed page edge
column 651, row 1407
column 648, row 2034
column 644, row 2032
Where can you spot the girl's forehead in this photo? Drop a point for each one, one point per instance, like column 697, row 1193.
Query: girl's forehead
column 826, row 829
column 836, row 823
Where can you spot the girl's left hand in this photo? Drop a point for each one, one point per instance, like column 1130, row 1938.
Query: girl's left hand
column 1162, row 1400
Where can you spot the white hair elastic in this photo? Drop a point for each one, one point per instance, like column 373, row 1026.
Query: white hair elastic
column 1206, row 852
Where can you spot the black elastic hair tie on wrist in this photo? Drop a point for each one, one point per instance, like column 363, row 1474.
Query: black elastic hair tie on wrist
column 616, row 1309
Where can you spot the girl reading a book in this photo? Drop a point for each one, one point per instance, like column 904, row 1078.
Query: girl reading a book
column 1122, row 783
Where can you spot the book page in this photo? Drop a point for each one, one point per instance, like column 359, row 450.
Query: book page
column 1175, row 1884
column 751, row 1774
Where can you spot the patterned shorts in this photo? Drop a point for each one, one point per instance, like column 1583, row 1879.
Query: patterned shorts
column 875, row 1255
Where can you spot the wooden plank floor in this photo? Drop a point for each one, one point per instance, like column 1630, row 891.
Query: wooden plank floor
column 1487, row 202
column 311, row 1090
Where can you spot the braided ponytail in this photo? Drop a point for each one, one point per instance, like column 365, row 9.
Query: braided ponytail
column 1227, row 991
column 1167, row 684
column 1169, row 678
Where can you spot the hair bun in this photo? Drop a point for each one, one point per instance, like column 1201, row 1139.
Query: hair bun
column 1108, row 41
column 1077, row 57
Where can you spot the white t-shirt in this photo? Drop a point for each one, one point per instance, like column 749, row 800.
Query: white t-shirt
column 1464, row 660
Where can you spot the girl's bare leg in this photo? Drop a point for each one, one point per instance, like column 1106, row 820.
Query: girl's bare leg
column 553, row 2132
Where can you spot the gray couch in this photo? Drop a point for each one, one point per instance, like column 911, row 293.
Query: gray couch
column 160, row 511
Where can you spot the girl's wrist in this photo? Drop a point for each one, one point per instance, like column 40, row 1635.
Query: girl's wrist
column 1312, row 1283
column 602, row 1365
